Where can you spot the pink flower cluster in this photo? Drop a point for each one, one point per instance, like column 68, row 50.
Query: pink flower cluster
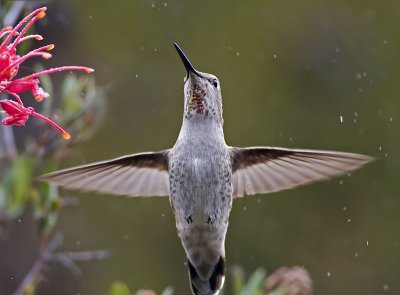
column 17, row 113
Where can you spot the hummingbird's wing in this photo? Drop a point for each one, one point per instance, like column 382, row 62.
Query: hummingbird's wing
column 144, row 174
column 260, row 170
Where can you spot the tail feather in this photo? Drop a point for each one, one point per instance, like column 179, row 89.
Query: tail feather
column 213, row 284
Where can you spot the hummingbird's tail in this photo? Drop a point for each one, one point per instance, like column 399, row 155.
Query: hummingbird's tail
column 211, row 285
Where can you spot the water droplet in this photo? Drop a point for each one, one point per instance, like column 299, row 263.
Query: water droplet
column 367, row 243
column 341, row 118
column 275, row 56
column 244, row 208
column 341, row 182
column 385, row 287
column 349, row 220
column 137, row 76
column 391, row 119
column 165, row 4
column 356, row 114
column 163, row 215
column 356, row 254
column 328, row 274
column 380, row 148
column 19, row 220
column 237, row 53
column 153, row 5
column 344, row 208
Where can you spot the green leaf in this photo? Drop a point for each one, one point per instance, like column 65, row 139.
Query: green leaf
column 237, row 280
column 253, row 284
column 19, row 184
column 119, row 288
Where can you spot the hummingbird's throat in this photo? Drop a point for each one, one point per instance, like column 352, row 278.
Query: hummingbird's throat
column 196, row 96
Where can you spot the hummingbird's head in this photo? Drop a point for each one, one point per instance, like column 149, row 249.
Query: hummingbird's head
column 202, row 92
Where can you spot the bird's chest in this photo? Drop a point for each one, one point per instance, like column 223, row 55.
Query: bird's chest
column 201, row 187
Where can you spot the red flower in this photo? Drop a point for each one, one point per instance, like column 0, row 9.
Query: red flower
column 17, row 115
column 9, row 66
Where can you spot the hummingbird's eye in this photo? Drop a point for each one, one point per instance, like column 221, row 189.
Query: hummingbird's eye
column 215, row 83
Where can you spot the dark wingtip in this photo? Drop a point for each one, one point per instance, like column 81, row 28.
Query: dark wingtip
column 213, row 285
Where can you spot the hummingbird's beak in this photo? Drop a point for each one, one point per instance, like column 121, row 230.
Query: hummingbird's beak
column 186, row 61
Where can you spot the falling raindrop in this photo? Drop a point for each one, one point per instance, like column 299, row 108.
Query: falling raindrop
column 328, row 274
column 341, row 118
column 385, row 287
column 237, row 53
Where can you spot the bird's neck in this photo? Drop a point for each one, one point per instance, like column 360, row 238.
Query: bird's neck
column 201, row 128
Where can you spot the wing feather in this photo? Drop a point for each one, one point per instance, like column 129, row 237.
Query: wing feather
column 260, row 170
column 144, row 174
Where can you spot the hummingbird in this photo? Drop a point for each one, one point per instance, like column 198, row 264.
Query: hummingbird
column 202, row 175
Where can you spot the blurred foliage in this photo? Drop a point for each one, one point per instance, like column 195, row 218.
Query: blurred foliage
column 119, row 288
column 80, row 106
column 284, row 281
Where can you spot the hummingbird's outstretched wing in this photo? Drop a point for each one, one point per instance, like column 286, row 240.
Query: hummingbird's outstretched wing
column 144, row 174
column 260, row 170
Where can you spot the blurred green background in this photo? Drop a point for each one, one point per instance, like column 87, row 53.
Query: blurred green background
column 289, row 70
